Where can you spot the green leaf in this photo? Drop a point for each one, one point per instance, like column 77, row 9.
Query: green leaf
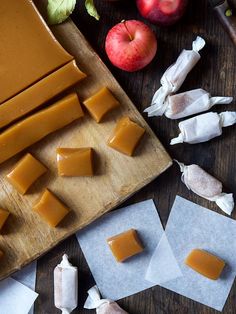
column 59, row 10
column 91, row 9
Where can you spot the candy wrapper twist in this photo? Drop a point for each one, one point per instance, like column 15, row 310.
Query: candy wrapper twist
column 204, row 127
column 102, row 306
column 65, row 286
column 205, row 185
column 189, row 103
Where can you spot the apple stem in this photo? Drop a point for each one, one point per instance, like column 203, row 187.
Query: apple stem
column 130, row 36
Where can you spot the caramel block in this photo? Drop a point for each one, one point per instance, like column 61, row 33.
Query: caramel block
column 51, row 209
column 39, row 93
column 73, row 162
column 1, row 254
column 3, row 217
column 29, row 51
column 205, row 263
column 39, row 125
column 101, row 103
column 126, row 136
column 25, row 173
column 125, row 245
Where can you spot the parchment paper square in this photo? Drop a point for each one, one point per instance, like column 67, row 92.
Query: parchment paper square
column 119, row 280
column 191, row 226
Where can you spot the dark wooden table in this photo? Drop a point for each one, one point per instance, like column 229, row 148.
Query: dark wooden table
column 215, row 73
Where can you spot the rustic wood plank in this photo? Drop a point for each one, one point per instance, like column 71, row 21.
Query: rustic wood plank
column 215, row 72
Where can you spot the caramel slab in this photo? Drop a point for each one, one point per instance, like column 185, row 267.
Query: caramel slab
column 3, row 217
column 101, row 103
column 25, row 173
column 50, row 209
column 39, row 93
column 125, row 245
column 126, row 136
column 29, row 51
column 39, row 125
column 1, row 254
column 74, row 162
column 205, row 263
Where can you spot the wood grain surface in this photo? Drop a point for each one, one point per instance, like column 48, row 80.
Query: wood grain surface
column 216, row 73
column 116, row 177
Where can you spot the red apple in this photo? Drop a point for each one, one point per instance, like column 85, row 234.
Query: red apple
column 131, row 45
column 162, row 12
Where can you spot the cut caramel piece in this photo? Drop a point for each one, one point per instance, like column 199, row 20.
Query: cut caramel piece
column 39, row 125
column 75, row 161
column 51, row 209
column 29, row 51
column 3, row 217
column 205, row 263
column 101, row 103
column 125, row 245
column 40, row 93
column 25, row 173
column 126, row 137
column 1, row 254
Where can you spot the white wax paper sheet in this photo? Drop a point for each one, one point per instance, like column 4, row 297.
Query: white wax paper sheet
column 119, row 280
column 15, row 297
column 191, row 226
column 163, row 266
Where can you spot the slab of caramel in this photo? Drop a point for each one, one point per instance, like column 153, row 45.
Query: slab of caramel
column 39, row 125
column 25, row 173
column 101, row 103
column 73, row 162
column 205, row 263
column 51, row 209
column 125, row 245
column 3, row 217
column 126, row 136
column 39, row 93
column 29, row 51
column 1, row 254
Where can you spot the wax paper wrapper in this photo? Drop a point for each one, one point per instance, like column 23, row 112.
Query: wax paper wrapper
column 189, row 103
column 204, row 127
column 175, row 75
column 205, row 185
column 102, row 306
column 191, row 226
column 119, row 280
column 66, row 286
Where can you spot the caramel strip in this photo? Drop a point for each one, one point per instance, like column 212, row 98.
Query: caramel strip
column 29, row 50
column 39, row 125
column 40, row 93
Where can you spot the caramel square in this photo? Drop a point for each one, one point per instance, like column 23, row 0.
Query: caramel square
column 3, row 217
column 75, row 162
column 99, row 104
column 125, row 245
column 205, row 263
column 25, row 173
column 126, row 136
column 51, row 209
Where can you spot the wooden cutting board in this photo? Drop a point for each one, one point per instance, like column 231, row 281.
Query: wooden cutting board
column 25, row 236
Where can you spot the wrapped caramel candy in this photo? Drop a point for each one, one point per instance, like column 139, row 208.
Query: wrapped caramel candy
column 102, row 306
column 203, row 184
column 175, row 75
column 66, row 286
column 188, row 103
column 204, row 127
